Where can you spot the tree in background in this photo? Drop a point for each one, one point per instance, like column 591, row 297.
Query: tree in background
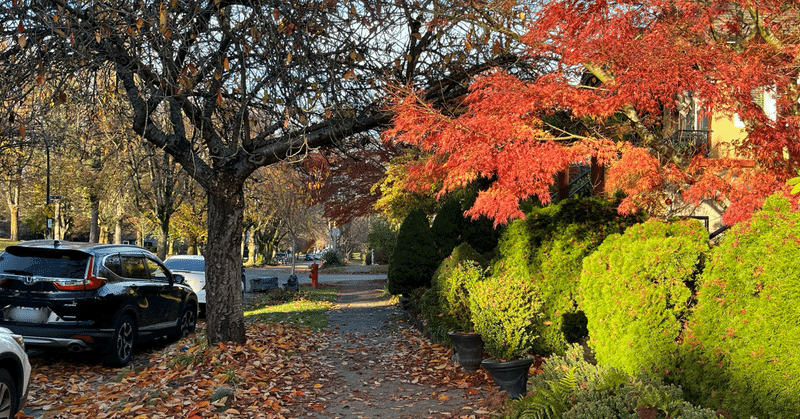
column 635, row 62
column 415, row 256
column 381, row 239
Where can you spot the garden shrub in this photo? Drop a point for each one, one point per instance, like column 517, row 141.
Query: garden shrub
column 332, row 258
column 636, row 293
column 570, row 387
column 504, row 310
column 446, row 228
column 414, row 258
column 549, row 247
column 451, row 283
column 742, row 340
column 435, row 326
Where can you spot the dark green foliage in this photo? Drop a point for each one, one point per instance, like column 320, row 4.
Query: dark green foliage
column 481, row 234
column 451, row 284
column 635, row 293
column 549, row 247
column 570, row 387
column 414, row 258
column 446, row 227
column 742, row 341
column 381, row 240
column 505, row 310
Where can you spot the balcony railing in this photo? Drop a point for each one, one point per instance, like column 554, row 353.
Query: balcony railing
column 690, row 142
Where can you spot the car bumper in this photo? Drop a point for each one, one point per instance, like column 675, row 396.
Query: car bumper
column 62, row 337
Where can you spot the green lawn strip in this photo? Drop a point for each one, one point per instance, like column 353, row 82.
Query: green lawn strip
column 306, row 307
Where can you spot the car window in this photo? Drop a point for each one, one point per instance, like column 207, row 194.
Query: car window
column 180, row 264
column 44, row 262
column 155, row 270
column 113, row 264
column 133, row 267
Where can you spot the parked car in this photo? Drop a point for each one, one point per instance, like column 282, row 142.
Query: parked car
column 193, row 269
column 84, row 296
column 15, row 373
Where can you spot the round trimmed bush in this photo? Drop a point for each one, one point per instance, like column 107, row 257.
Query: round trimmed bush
column 636, row 293
column 741, row 344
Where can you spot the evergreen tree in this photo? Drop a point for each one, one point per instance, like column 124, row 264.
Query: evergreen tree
column 415, row 256
column 446, row 228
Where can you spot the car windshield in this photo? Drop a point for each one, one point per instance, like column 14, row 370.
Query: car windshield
column 44, row 262
column 178, row 264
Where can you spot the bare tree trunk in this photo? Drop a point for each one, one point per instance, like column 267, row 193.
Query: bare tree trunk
column 163, row 237
column 14, row 215
column 223, row 277
column 94, row 227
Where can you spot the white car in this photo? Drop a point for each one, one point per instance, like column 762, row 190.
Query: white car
column 193, row 269
column 15, row 373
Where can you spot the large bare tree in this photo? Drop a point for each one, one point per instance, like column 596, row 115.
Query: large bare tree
column 228, row 86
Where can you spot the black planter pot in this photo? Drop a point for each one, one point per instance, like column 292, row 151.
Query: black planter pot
column 511, row 376
column 469, row 348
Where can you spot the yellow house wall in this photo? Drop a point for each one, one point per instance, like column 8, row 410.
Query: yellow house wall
column 724, row 132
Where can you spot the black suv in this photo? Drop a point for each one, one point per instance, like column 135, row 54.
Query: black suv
column 86, row 296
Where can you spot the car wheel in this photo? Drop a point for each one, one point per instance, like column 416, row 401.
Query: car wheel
column 9, row 396
column 188, row 321
column 121, row 348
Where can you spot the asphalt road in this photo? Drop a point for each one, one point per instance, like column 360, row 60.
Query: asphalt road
column 356, row 273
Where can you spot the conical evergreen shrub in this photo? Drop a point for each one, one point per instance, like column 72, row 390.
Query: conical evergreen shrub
column 446, row 228
column 415, row 256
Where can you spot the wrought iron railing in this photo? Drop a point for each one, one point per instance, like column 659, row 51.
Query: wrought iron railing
column 690, row 142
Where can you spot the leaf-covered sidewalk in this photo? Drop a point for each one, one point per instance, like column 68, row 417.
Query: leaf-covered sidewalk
column 282, row 371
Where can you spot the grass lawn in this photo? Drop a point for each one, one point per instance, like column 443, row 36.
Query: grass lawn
column 306, row 307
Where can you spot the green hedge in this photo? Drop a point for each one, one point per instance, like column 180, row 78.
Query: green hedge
column 636, row 293
column 451, row 284
column 742, row 343
column 549, row 247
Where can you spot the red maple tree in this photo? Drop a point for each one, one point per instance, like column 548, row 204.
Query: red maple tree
column 619, row 68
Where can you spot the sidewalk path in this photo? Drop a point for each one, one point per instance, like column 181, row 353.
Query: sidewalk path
column 382, row 368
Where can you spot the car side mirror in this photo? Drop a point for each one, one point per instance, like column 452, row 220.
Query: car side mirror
column 177, row 279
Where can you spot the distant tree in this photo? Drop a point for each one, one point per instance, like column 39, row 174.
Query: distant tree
column 381, row 239
column 415, row 256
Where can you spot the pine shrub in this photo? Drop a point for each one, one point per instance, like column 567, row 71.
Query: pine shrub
column 446, row 227
column 414, row 258
column 741, row 345
column 636, row 293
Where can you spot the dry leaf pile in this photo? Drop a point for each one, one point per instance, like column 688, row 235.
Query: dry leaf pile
column 282, row 371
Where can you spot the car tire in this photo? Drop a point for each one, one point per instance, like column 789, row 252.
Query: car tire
column 187, row 323
column 9, row 395
column 122, row 341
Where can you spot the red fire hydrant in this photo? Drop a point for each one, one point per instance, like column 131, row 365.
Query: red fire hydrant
column 314, row 275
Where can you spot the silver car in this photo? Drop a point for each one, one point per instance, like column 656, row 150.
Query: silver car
column 15, row 373
column 193, row 270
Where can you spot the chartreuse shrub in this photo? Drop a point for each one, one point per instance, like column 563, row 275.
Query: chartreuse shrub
column 570, row 387
column 742, row 342
column 549, row 247
column 414, row 258
column 505, row 309
column 445, row 305
column 636, row 293
column 452, row 281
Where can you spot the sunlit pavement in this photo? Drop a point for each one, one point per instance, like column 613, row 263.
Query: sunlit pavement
column 302, row 271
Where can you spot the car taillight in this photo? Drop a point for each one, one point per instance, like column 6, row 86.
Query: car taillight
column 91, row 282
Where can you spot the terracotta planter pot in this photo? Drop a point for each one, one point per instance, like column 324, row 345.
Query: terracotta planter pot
column 511, row 376
column 469, row 348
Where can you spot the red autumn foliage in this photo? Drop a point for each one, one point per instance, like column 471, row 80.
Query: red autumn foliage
column 637, row 59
